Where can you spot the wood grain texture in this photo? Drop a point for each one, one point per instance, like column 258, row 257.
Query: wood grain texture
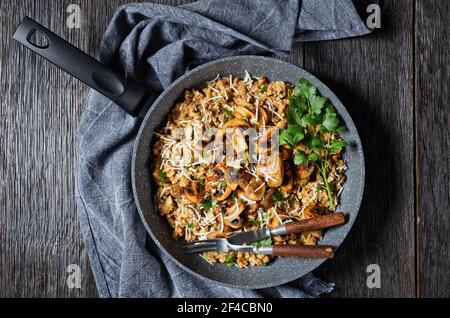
column 373, row 77
column 433, row 146
column 40, row 108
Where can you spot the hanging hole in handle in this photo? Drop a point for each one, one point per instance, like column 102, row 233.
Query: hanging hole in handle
column 38, row 39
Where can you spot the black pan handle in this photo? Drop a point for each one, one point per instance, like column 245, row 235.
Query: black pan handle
column 127, row 93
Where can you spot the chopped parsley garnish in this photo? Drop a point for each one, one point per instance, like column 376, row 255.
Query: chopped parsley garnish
column 265, row 216
column 277, row 196
column 266, row 242
column 201, row 181
column 233, row 195
column 227, row 114
column 263, row 89
column 255, row 223
column 309, row 115
column 190, row 226
column 207, row 204
column 163, row 177
column 229, row 259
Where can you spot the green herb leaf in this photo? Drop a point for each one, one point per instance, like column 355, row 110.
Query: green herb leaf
column 265, row 242
column 331, row 122
column 336, row 146
column 313, row 157
column 304, row 89
column 277, row 196
column 291, row 136
column 316, row 103
column 314, row 143
column 255, row 223
column 222, row 184
column 229, row 257
column 190, row 226
column 201, row 181
column 263, row 88
column 207, row 204
column 300, row 158
column 296, row 110
column 265, row 216
column 163, row 177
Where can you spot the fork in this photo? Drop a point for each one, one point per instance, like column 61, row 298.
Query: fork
column 222, row 245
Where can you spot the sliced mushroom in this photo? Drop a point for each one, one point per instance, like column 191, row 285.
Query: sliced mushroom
column 222, row 191
column 215, row 182
column 288, row 181
column 217, row 174
column 254, row 188
column 268, row 201
column 258, row 120
column 274, row 222
column 237, row 140
column 304, row 171
column 312, row 211
column 216, row 234
column 272, row 169
column 243, row 112
column 192, row 192
column 231, row 217
column 234, row 123
column 281, row 123
column 175, row 191
column 285, row 153
column 234, row 210
column 263, row 118
column 252, row 208
column 265, row 141
column 233, row 177
column 233, row 225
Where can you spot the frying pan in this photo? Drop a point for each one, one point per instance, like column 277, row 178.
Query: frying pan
column 133, row 97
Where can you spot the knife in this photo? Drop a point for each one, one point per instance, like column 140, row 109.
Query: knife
column 317, row 223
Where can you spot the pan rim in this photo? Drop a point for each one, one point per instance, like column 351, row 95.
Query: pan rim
column 330, row 94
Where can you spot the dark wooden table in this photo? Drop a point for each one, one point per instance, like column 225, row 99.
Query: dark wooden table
column 395, row 84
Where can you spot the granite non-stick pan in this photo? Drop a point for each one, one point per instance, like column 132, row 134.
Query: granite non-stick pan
column 133, row 98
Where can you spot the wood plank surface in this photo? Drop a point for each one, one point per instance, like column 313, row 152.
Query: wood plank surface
column 395, row 84
column 373, row 77
column 433, row 146
column 40, row 108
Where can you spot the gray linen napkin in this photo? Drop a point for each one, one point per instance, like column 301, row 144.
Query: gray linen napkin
column 156, row 44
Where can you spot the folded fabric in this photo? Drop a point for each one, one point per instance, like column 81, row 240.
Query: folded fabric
column 156, row 44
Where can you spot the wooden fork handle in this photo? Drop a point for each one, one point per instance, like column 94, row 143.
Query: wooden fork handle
column 307, row 251
column 318, row 223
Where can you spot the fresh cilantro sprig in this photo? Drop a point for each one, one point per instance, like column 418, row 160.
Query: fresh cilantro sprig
column 308, row 115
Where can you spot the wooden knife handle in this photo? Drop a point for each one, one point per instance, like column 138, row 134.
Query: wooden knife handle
column 307, row 251
column 318, row 223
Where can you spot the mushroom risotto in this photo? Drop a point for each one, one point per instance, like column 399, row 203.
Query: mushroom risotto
column 215, row 179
